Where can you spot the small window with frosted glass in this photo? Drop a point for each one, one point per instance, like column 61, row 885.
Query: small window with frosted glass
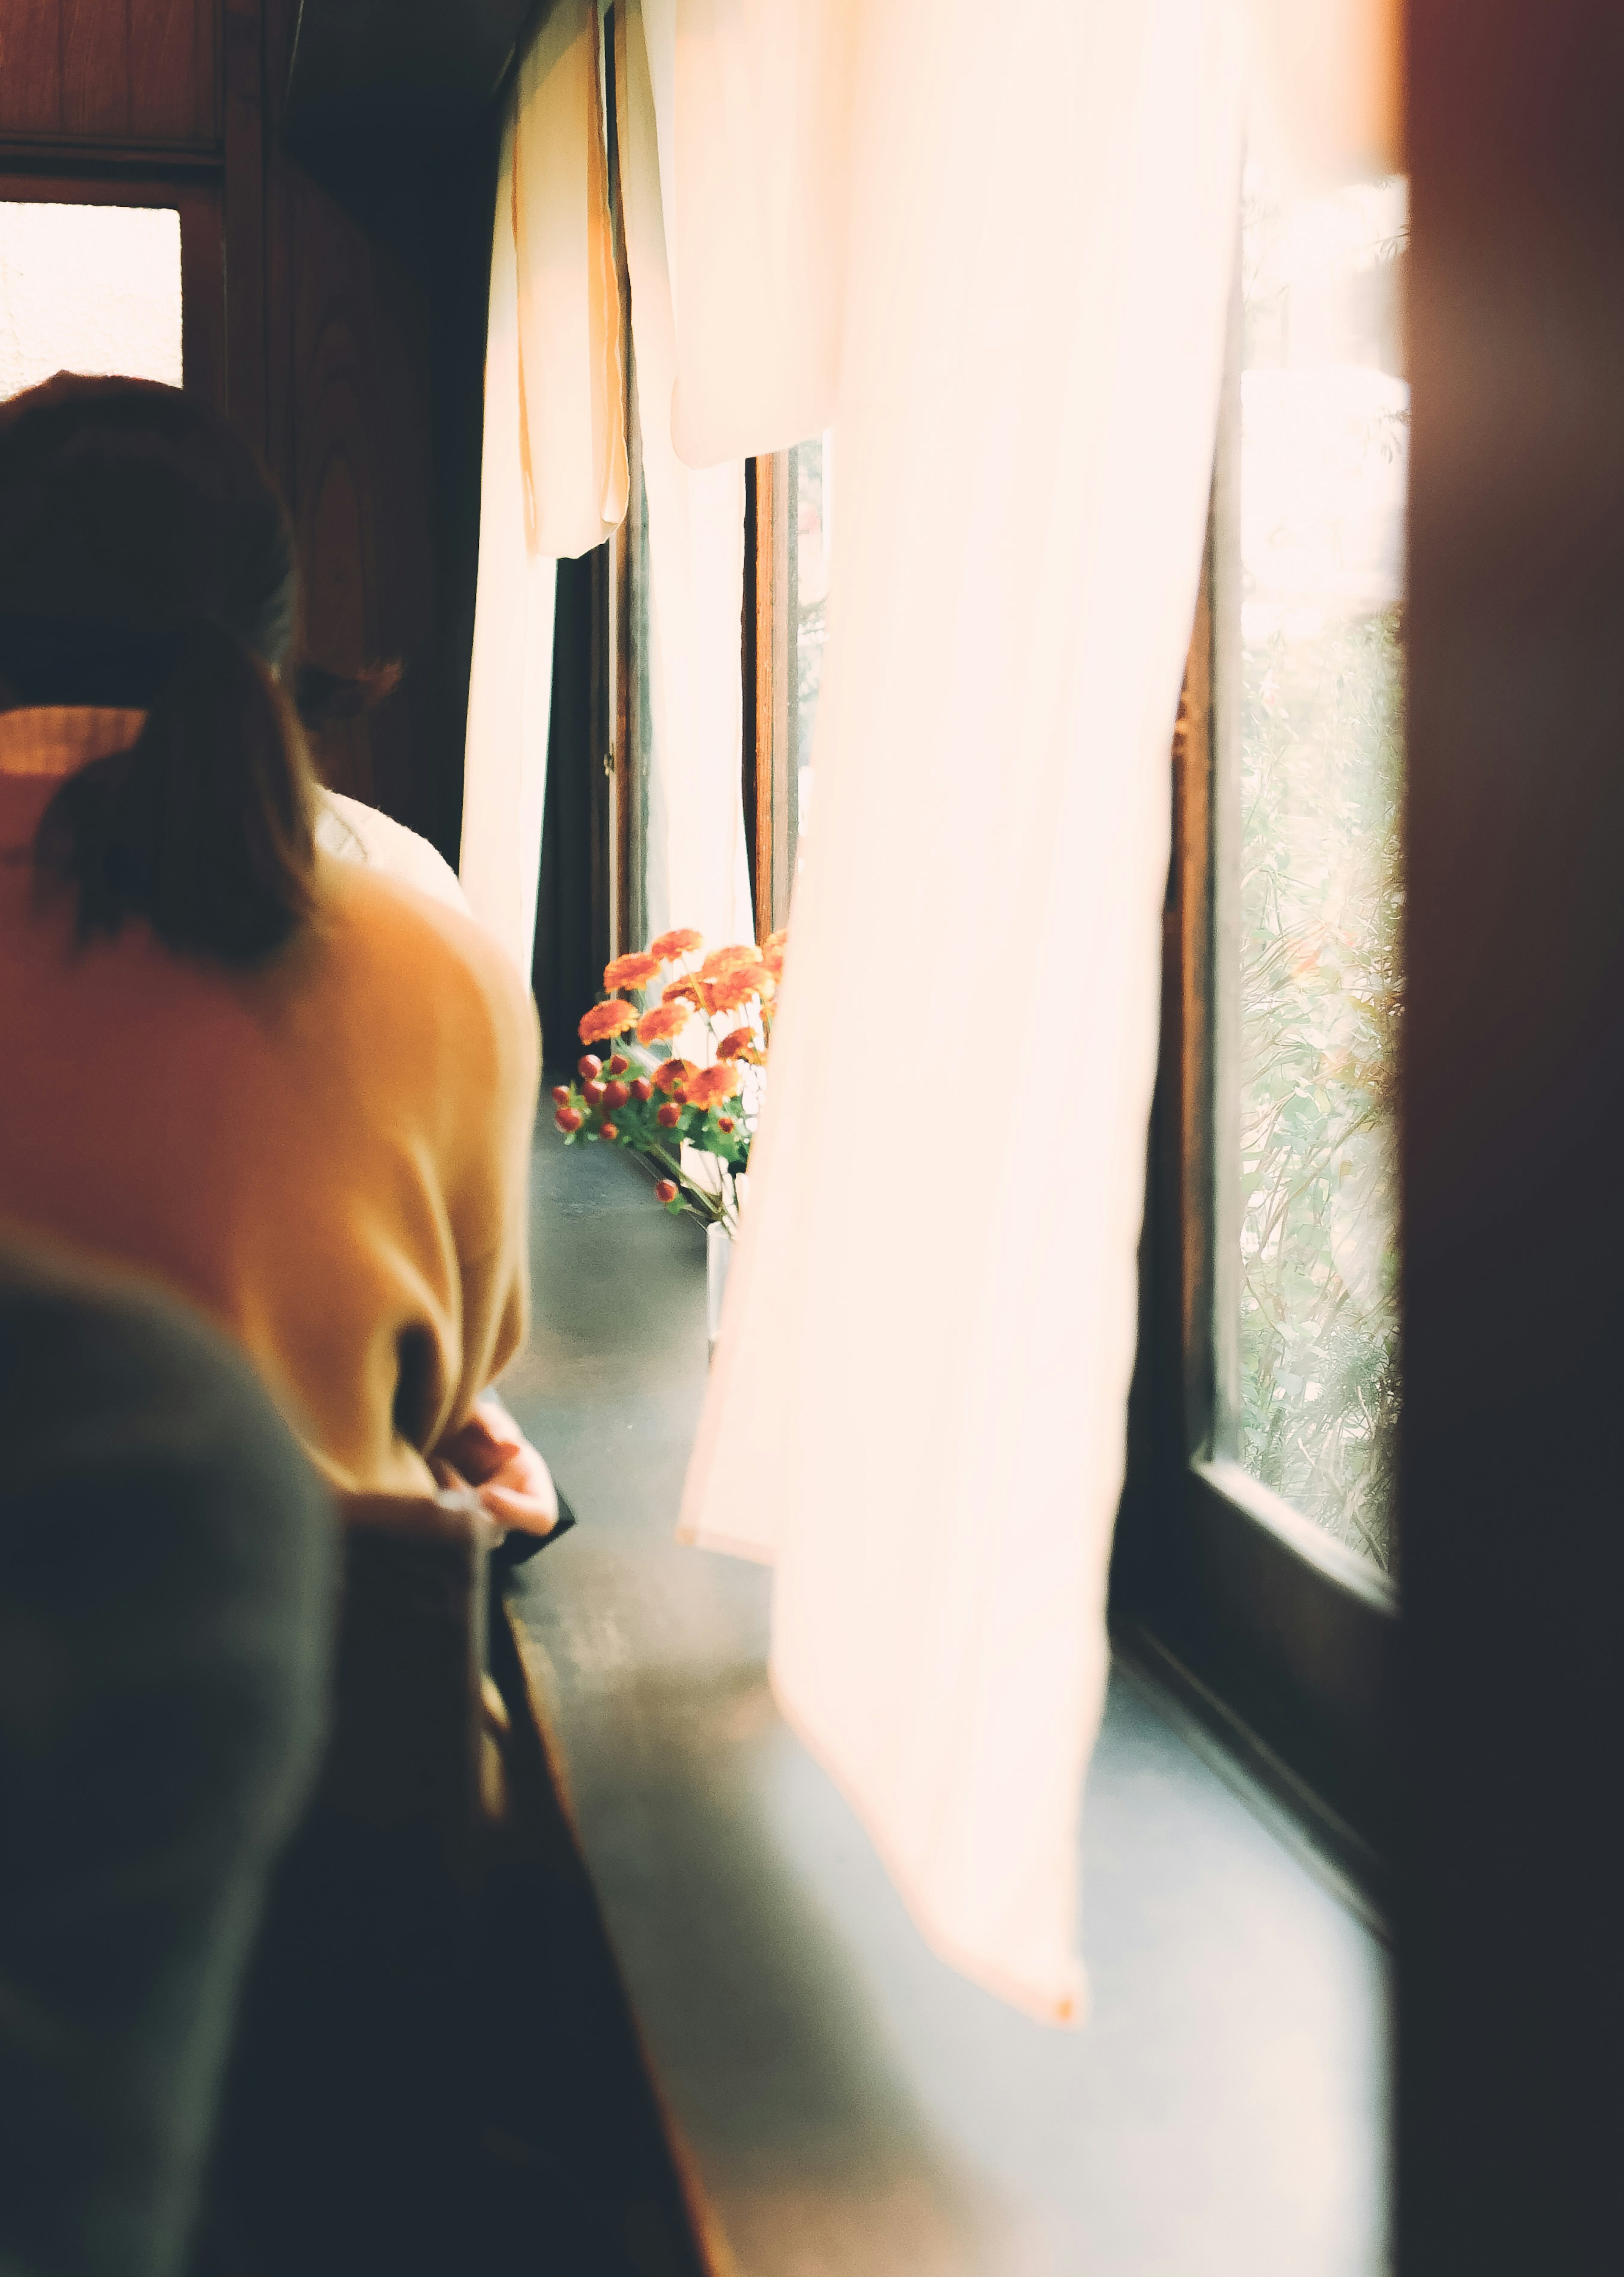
column 1324, row 417
column 88, row 288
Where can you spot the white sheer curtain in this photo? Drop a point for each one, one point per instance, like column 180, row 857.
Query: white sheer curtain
column 569, row 307
column 754, row 167
column 510, row 685
column 918, row 1405
column 553, row 476
column 697, row 869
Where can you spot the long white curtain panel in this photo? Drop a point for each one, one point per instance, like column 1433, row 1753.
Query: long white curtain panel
column 917, row 1404
column 569, row 309
column 510, row 684
column 553, row 478
column 756, row 116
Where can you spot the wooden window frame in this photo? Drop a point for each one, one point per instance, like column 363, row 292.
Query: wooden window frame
column 770, row 711
column 620, row 783
column 591, row 898
column 770, row 757
column 1271, row 1630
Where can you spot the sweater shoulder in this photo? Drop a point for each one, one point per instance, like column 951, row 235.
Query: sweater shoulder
column 425, row 961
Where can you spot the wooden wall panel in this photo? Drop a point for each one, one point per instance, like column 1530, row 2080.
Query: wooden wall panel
column 30, row 67
column 379, row 208
column 245, row 126
column 350, row 443
column 344, row 327
column 350, row 411
column 171, row 70
column 109, row 71
column 95, row 67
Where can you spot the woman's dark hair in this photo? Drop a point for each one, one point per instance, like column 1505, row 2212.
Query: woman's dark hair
column 146, row 562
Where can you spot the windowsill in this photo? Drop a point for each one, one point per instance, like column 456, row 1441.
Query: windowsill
column 1322, row 1844
column 850, row 2102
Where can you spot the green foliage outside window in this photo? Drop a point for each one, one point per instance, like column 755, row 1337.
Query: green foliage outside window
column 1321, row 987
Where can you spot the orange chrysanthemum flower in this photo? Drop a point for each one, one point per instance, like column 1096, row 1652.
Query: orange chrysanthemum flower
column 658, row 1024
column 686, row 990
column 740, row 1045
column 722, row 961
column 772, row 956
column 672, row 944
column 670, row 1073
column 634, row 971
column 711, row 1086
column 611, row 1019
column 737, row 987
column 775, row 940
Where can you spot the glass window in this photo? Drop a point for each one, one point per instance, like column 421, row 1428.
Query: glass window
column 1324, row 434
column 90, row 288
column 812, row 490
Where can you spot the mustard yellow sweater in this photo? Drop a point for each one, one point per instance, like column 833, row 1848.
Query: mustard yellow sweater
column 330, row 1156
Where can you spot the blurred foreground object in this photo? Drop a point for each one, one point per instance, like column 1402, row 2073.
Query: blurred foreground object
column 166, row 1590
column 435, row 2067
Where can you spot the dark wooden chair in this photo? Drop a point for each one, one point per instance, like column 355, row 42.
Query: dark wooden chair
column 436, row 2070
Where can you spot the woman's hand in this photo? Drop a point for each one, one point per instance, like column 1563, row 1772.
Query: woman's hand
column 513, row 1482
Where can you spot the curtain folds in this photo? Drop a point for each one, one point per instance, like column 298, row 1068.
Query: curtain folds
column 917, row 1404
column 510, row 684
column 570, row 311
column 553, row 476
column 755, row 113
column 697, row 869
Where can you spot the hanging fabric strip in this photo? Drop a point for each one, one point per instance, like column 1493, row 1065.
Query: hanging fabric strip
column 572, row 432
column 917, row 1404
column 510, row 686
column 553, row 480
column 754, row 108
column 698, row 870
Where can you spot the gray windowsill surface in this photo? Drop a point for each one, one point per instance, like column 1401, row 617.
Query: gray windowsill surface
column 855, row 2108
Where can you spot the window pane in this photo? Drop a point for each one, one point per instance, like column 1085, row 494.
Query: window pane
column 88, row 288
column 1324, row 434
column 813, row 464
